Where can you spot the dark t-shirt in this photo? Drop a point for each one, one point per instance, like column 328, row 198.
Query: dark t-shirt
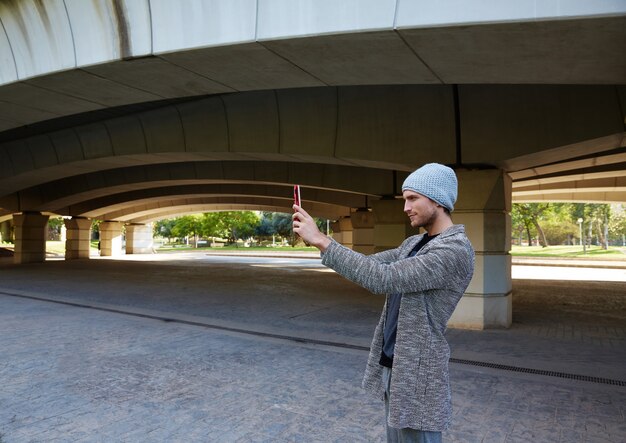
column 393, row 310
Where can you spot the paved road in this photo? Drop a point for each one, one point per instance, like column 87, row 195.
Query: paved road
column 78, row 374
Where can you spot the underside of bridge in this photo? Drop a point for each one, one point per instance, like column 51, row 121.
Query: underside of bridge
column 131, row 111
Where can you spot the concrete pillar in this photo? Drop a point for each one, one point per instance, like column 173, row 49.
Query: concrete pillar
column 362, row 231
column 139, row 239
column 30, row 237
column 342, row 231
column 110, row 239
column 392, row 224
column 77, row 238
column 5, row 231
column 484, row 207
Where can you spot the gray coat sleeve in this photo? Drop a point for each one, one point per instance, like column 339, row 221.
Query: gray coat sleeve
column 409, row 275
column 388, row 256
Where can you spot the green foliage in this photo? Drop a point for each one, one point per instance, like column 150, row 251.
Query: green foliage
column 55, row 224
column 265, row 229
column 617, row 223
column 163, row 228
column 557, row 223
column 560, row 232
column 527, row 217
column 186, row 225
column 233, row 225
column 237, row 224
column 280, row 223
column 229, row 224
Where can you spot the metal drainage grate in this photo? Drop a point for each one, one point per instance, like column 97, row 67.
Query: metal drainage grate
column 605, row 381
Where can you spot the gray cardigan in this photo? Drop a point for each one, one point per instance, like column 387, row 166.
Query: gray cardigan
column 432, row 283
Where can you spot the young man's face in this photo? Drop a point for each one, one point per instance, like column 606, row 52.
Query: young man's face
column 421, row 210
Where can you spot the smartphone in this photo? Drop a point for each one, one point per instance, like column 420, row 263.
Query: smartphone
column 296, row 195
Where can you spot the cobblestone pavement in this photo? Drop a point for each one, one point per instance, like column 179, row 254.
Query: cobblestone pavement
column 69, row 373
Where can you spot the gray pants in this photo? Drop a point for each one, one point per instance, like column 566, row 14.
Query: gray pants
column 404, row 435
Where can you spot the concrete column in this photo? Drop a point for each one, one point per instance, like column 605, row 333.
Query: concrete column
column 139, row 239
column 110, row 239
column 362, row 231
column 77, row 238
column 5, row 231
column 342, row 231
column 484, row 207
column 392, row 225
column 30, row 237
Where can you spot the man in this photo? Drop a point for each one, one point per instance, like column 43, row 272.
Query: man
column 424, row 278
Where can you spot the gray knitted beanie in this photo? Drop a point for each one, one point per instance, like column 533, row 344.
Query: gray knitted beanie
column 435, row 181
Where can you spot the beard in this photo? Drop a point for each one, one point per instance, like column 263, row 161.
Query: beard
column 424, row 220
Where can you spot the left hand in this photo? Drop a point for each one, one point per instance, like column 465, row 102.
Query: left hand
column 306, row 228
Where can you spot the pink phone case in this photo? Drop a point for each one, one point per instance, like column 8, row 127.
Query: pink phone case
column 296, row 195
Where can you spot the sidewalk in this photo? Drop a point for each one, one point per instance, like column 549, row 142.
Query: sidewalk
column 156, row 357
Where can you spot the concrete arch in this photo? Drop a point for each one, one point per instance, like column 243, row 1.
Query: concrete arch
column 406, row 126
column 64, row 57
column 609, row 186
column 200, row 208
column 56, row 35
column 140, row 213
column 393, row 128
column 94, row 208
column 59, row 196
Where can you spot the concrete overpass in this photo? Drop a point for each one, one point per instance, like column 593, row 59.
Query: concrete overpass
column 126, row 111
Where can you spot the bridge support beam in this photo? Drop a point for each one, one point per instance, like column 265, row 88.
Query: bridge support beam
column 392, row 225
column 342, row 231
column 484, row 207
column 5, row 231
column 110, row 239
column 30, row 237
column 78, row 232
column 362, row 231
column 139, row 239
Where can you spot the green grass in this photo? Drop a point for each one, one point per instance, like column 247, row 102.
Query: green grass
column 593, row 252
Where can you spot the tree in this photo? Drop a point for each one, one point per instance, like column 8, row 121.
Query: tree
column 559, row 223
column 282, row 223
column 518, row 225
column 617, row 223
column 230, row 224
column 185, row 226
column 530, row 214
column 598, row 216
column 214, row 224
column 265, row 228
column 163, row 228
column 243, row 224
column 55, row 224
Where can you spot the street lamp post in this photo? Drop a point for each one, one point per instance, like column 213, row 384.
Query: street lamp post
column 582, row 242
